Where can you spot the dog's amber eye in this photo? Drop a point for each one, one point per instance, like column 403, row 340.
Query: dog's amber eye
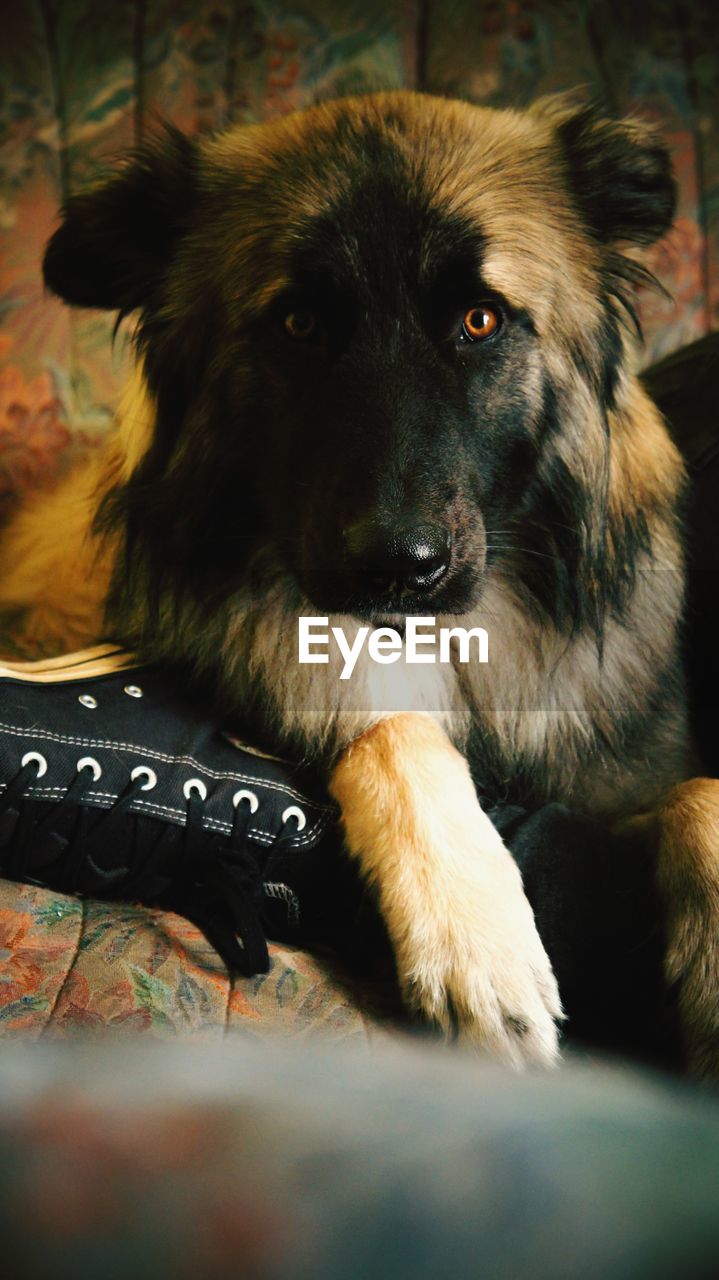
column 300, row 325
column 479, row 323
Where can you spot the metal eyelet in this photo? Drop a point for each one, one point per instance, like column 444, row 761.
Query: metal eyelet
column 293, row 812
column 39, row 760
column 133, row 690
column 194, row 786
column 88, row 762
column 249, row 796
column 143, row 771
column 87, row 700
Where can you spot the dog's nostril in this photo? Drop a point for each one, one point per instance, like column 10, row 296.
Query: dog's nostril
column 410, row 556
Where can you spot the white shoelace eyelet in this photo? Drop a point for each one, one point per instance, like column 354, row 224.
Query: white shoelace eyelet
column 39, row 760
column 249, row 797
column 143, row 771
column 292, row 811
column 87, row 700
column 88, row 762
column 194, row 786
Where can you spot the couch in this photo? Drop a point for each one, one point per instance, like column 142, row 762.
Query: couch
column 81, row 83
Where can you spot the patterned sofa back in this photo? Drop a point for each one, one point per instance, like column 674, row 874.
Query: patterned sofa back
column 83, row 82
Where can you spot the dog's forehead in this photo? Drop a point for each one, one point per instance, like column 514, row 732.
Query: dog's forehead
column 440, row 141
column 397, row 182
column 384, row 226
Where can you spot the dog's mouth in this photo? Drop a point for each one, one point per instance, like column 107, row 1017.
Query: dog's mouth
column 392, row 605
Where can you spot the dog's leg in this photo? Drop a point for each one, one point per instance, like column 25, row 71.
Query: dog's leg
column 467, row 948
column 683, row 833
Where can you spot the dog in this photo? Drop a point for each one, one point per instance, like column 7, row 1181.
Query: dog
column 387, row 367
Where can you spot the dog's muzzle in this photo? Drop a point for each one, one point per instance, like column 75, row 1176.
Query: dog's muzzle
column 397, row 559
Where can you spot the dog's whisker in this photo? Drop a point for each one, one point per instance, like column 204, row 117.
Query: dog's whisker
column 521, row 551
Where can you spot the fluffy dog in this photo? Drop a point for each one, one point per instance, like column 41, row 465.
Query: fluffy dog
column 386, row 367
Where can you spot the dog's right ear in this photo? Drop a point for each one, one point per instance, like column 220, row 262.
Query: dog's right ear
column 116, row 241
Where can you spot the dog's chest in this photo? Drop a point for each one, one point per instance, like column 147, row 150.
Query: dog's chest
column 599, row 726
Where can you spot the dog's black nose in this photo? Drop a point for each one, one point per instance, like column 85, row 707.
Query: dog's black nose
column 406, row 557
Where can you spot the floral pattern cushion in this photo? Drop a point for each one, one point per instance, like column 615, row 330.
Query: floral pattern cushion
column 68, row 965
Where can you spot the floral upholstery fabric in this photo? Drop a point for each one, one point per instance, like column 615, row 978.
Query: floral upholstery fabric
column 68, row 965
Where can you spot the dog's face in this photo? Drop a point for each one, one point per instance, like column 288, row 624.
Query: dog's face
column 383, row 337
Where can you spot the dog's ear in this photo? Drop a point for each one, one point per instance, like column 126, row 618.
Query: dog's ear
column 619, row 171
column 115, row 241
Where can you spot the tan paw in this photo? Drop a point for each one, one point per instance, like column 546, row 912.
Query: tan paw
column 683, row 835
column 474, row 964
column 692, row 964
column 468, row 953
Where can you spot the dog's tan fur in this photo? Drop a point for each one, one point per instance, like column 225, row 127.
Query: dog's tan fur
column 451, row 895
column 467, row 948
column 682, row 832
column 54, row 569
column 53, row 565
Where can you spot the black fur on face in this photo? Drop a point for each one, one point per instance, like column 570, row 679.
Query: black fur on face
column 301, row 289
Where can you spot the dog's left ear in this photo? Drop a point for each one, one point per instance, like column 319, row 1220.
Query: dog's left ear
column 619, row 171
column 116, row 241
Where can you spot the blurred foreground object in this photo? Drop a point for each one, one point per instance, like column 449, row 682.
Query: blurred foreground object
column 281, row 1161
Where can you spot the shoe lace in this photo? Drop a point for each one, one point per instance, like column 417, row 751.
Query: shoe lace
column 212, row 878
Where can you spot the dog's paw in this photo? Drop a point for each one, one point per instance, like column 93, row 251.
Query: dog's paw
column 692, row 967
column 474, row 965
column 682, row 834
column 468, row 953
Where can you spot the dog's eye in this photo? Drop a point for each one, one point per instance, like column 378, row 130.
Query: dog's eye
column 478, row 323
column 301, row 324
